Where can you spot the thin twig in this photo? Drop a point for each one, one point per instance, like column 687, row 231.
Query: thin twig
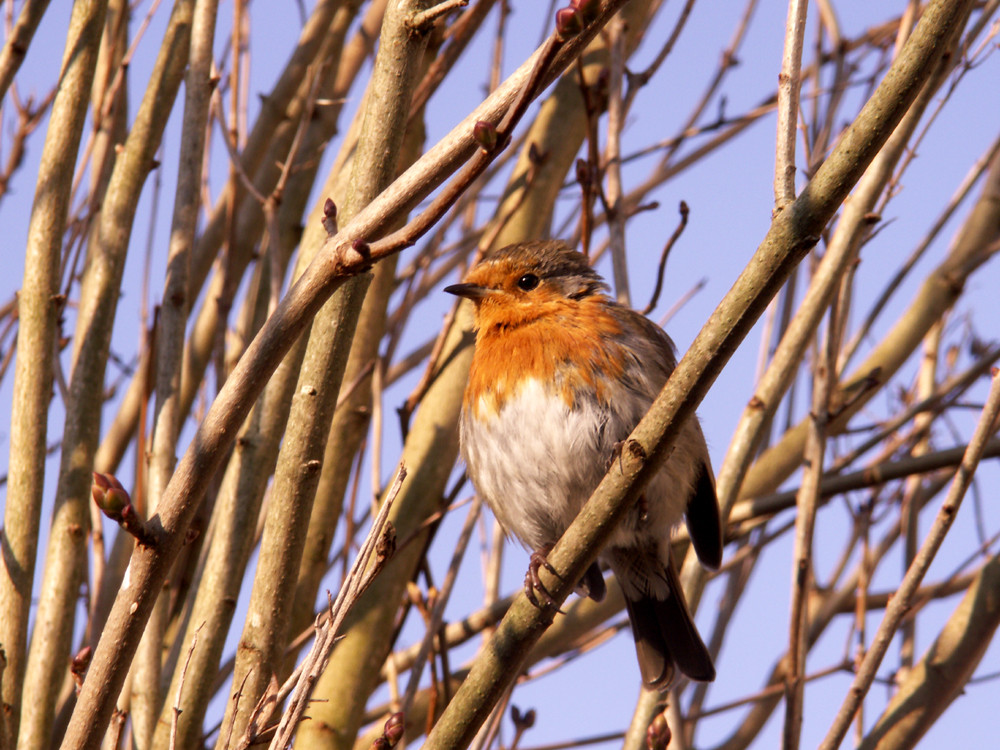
column 872, row 476
column 437, row 615
column 420, row 21
column 612, row 160
column 807, row 501
column 766, row 693
column 892, row 286
column 369, row 562
column 900, row 604
column 406, row 236
column 789, row 83
column 678, row 231
column 180, row 687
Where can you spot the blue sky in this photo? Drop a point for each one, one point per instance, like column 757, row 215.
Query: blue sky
column 730, row 195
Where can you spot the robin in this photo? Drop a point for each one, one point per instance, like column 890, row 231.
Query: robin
column 560, row 377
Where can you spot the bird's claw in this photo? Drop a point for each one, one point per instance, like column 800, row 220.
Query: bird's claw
column 616, row 455
column 533, row 583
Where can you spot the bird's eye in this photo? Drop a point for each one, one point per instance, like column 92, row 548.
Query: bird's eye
column 527, row 282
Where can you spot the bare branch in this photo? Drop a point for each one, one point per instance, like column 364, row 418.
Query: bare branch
column 903, row 600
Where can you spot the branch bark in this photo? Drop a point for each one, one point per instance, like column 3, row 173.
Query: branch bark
column 901, row 603
column 793, row 232
column 337, row 261
column 39, row 307
column 944, row 671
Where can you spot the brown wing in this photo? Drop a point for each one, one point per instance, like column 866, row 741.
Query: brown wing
column 702, row 510
column 703, row 520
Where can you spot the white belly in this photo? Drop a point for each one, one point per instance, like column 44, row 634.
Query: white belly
column 537, row 461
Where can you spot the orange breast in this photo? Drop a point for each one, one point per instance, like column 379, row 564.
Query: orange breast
column 573, row 345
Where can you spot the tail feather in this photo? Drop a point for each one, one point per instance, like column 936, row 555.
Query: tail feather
column 666, row 637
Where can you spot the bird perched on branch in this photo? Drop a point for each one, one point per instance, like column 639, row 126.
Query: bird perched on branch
column 560, row 377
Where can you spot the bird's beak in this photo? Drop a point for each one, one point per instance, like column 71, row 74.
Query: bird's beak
column 469, row 291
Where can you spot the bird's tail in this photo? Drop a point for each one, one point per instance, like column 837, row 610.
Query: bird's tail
column 666, row 637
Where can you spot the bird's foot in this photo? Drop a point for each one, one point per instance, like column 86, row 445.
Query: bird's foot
column 616, row 455
column 534, row 588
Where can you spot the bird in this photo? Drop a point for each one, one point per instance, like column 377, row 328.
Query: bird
column 560, row 375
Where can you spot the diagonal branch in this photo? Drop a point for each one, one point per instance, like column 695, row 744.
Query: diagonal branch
column 793, row 232
column 900, row 604
column 337, row 260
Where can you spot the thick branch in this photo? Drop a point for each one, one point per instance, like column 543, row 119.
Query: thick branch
column 39, row 308
column 943, row 673
column 336, row 261
column 791, row 235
